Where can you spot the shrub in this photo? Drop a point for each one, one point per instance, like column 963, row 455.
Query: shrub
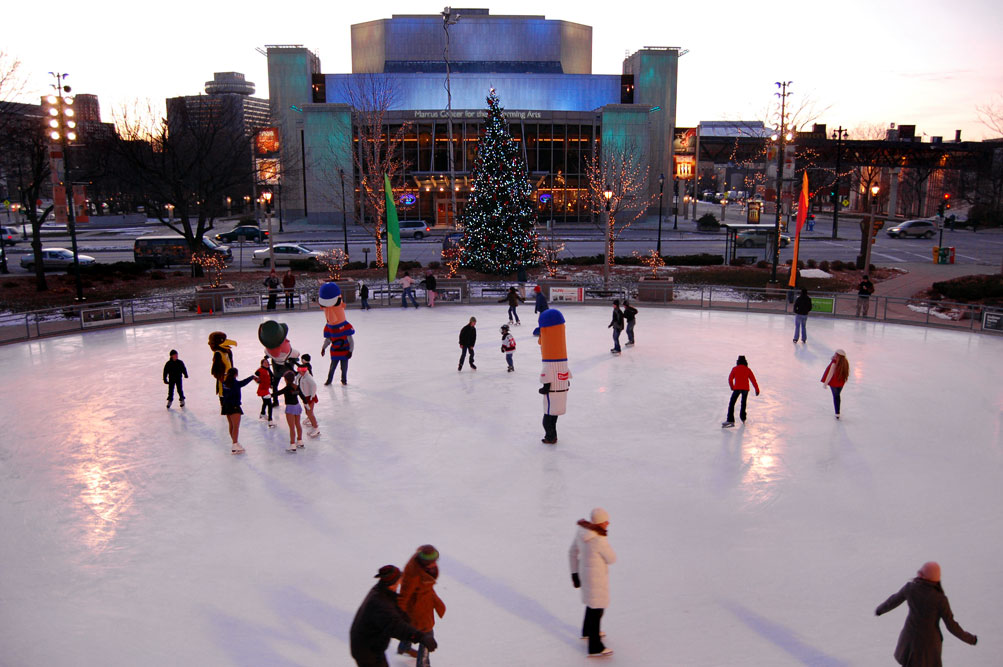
column 763, row 264
column 703, row 259
column 812, row 264
column 407, row 266
column 9, row 284
column 800, row 265
column 824, row 265
column 125, row 270
column 708, row 223
column 434, row 265
column 355, row 266
column 157, row 275
column 971, row 288
column 306, row 265
column 836, row 265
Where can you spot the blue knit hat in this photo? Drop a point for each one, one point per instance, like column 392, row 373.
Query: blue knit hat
column 329, row 294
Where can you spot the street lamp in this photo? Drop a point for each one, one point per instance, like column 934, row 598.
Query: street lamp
column 781, row 137
column 267, row 196
column 868, row 239
column 607, row 196
column 839, row 135
column 661, row 188
column 344, row 220
column 675, row 203
column 62, row 131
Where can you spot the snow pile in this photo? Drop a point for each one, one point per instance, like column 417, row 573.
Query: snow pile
column 814, row 273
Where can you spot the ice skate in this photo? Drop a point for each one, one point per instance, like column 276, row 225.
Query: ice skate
column 291, row 449
column 548, row 441
column 460, row 367
column 602, row 654
column 327, row 384
column 727, row 424
column 236, row 448
column 615, row 351
column 182, row 403
column 271, row 424
column 472, row 367
column 629, row 343
column 510, row 369
column 837, row 416
column 313, row 433
column 169, row 401
column 262, row 417
column 299, row 444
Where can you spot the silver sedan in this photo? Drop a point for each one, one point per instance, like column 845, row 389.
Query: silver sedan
column 285, row 253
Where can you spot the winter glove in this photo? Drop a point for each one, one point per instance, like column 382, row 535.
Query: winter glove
column 545, row 389
column 576, row 582
column 428, row 641
column 503, row 348
column 349, row 356
column 165, row 380
column 322, row 352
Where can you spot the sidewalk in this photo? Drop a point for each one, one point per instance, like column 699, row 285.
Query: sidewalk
column 921, row 276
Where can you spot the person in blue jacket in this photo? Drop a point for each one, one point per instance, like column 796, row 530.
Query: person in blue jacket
column 541, row 301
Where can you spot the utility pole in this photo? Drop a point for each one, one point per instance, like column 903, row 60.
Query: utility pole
column 839, row 135
column 782, row 137
column 62, row 128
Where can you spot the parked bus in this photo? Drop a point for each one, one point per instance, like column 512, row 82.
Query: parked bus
column 165, row 250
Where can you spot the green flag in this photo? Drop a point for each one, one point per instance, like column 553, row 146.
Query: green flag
column 393, row 233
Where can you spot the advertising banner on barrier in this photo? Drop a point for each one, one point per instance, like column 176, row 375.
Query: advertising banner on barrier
column 242, row 303
column 575, row 294
column 99, row 317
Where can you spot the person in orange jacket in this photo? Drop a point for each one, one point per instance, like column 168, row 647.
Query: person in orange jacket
column 418, row 599
column 739, row 378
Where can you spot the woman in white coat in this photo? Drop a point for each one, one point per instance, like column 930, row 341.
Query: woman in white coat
column 590, row 556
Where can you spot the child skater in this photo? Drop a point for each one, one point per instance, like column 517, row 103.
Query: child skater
column 264, row 378
column 308, row 392
column 293, row 410
column 508, row 346
column 231, row 406
column 173, row 370
column 835, row 376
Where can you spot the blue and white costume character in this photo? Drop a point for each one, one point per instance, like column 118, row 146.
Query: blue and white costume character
column 555, row 376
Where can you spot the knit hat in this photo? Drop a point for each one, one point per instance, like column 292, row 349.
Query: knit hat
column 741, row 360
column 329, row 294
column 930, row 571
column 841, row 353
column 305, row 357
column 599, row 515
column 172, row 353
column 536, row 289
column 427, row 553
column 388, row 575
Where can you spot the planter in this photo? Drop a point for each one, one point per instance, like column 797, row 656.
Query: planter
column 209, row 299
column 348, row 288
column 655, row 290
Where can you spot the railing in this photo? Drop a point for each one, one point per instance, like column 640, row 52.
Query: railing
column 28, row 325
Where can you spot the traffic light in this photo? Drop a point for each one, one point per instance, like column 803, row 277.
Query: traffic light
column 947, row 200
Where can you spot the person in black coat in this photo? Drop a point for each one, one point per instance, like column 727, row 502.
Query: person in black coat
column 630, row 315
column 802, row 306
column 513, row 298
column 468, row 337
column 174, row 369
column 430, row 286
column 541, row 301
column 379, row 619
column 617, row 325
column 920, row 642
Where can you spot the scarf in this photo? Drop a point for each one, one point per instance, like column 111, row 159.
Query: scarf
column 592, row 526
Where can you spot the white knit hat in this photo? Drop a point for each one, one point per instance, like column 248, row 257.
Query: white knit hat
column 841, row 353
column 599, row 515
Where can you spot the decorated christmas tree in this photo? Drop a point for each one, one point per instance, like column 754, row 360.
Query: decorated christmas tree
column 499, row 234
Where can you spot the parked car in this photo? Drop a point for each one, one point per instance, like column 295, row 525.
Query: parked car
column 415, row 229
column 284, row 254
column 758, row 238
column 921, row 229
column 8, row 236
column 167, row 249
column 452, row 240
column 55, row 258
column 244, row 231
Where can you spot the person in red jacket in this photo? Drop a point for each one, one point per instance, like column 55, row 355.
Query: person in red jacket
column 835, row 376
column 739, row 378
column 264, row 378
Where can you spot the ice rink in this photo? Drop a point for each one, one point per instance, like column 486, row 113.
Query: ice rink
column 129, row 535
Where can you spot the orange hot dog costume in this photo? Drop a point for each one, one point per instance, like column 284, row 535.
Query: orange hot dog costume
column 555, row 376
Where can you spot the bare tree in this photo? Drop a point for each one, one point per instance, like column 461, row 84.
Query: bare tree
column 864, row 176
column 378, row 152
column 991, row 114
column 25, row 160
column 913, row 180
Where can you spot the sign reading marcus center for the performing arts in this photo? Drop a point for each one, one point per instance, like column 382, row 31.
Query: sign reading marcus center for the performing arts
column 476, row 113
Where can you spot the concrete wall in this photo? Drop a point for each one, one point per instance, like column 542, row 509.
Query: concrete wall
column 655, row 84
column 328, row 145
column 290, row 73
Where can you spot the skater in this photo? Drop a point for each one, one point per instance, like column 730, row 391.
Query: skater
column 617, row 325
column 630, row 315
column 305, row 361
column 289, row 287
column 430, row 284
column 222, row 359
column 341, row 352
column 739, row 378
column 921, row 641
column 231, row 407
column 802, row 306
column 174, row 369
column 513, row 299
column 541, row 301
column 468, row 337
column 364, row 295
column 555, row 376
column 508, row 347
column 407, row 282
column 379, row 618
column 308, row 393
column 864, row 291
column 835, row 376
column 264, row 378
column 293, row 411
column 418, row 599
column 590, row 556
column 272, row 283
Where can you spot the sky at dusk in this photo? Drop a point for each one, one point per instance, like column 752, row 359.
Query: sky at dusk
column 924, row 62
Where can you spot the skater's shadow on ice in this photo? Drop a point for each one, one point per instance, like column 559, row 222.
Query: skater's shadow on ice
column 189, row 426
column 250, row 643
column 805, row 354
column 512, row 601
column 782, row 637
column 730, row 468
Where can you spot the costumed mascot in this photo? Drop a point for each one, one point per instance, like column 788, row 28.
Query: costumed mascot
column 555, row 376
column 273, row 335
column 338, row 332
column 222, row 359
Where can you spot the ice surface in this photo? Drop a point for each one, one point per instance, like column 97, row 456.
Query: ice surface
column 130, row 536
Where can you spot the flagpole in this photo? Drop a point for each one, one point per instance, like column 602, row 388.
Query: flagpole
column 802, row 216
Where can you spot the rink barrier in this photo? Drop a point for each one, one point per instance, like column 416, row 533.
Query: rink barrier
column 17, row 327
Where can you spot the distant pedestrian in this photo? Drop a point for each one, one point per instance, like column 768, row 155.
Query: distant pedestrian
column 407, row 283
column 174, row 370
column 513, row 299
column 289, row 286
column 430, row 285
column 364, row 295
column 272, row 283
column 802, row 306
column 418, row 599
column 630, row 316
column 468, row 337
column 508, row 347
column 231, row 407
column 738, row 380
column 541, row 301
column 308, row 393
column 590, row 556
column 836, row 375
column 864, row 291
column 379, row 619
column 264, row 377
column 921, row 642
column 617, row 325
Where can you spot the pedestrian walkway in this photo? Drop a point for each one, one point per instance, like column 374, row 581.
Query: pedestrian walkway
column 921, row 276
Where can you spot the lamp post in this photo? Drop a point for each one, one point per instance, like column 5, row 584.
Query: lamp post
column 267, row 196
column 839, row 135
column 62, row 131
column 344, row 220
column 868, row 237
column 306, row 211
column 781, row 138
column 661, row 188
column 607, row 195
column 675, row 203
column 450, row 18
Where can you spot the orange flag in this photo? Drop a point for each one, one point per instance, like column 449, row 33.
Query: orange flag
column 802, row 216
